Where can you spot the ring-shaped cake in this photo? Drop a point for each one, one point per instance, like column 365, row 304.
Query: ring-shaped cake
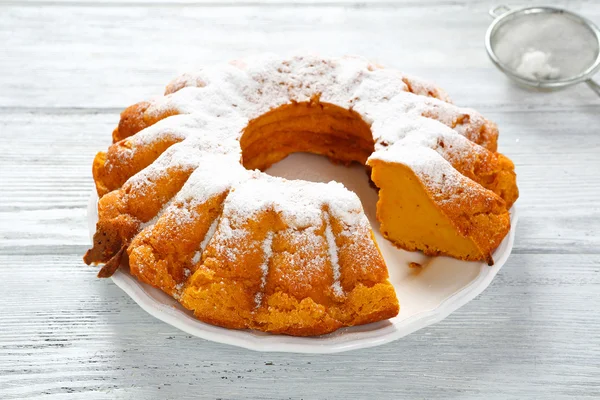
column 184, row 204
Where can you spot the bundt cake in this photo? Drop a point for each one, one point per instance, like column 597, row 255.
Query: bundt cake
column 184, row 204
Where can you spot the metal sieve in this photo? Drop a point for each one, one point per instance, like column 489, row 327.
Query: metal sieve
column 544, row 47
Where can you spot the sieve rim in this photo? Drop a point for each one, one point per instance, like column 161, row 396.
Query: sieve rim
column 553, row 84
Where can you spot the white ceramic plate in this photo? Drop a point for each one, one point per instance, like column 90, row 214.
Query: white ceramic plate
column 427, row 295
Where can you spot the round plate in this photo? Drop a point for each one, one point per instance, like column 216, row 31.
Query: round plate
column 427, row 294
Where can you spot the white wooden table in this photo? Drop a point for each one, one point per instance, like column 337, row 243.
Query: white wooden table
column 67, row 68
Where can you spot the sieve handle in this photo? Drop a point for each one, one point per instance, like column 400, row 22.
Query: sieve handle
column 594, row 86
column 497, row 11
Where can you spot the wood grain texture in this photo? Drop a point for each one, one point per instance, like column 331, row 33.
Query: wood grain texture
column 67, row 68
column 62, row 54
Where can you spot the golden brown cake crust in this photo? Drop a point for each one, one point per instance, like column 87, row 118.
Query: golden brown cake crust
column 227, row 289
column 131, row 122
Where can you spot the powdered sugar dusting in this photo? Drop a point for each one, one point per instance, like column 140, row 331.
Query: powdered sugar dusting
column 177, row 127
column 178, row 290
column 227, row 239
column 445, row 183
column 332, row 250
column 305, row 258
column 421, row 132
column 405, row 106
column 365, row 254
column 197, row 257
column 252, row 87
column 303, row 207
column 425, row 88
column 209, row 234
column 216, row 103
column 267, row 252
column 207, row 237
column 205, row 182
column 299, row 203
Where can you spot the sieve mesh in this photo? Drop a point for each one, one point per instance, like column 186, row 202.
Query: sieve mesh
column 545, row 46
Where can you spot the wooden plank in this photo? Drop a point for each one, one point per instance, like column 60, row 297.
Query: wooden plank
column 528, row 335
column 67, row 69
column 71, row 56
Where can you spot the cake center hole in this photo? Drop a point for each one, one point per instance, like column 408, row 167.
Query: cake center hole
column 322, row 129
column 309, row 127
column 314, row 168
